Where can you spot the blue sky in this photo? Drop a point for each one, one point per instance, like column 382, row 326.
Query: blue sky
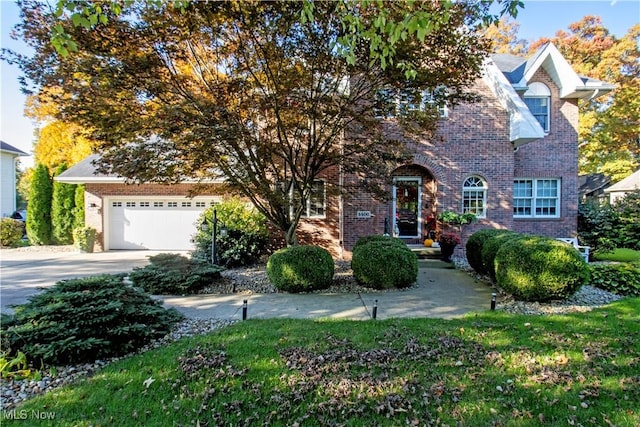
column 537, row 19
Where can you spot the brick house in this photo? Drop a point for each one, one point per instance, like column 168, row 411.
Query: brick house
column 511, row 158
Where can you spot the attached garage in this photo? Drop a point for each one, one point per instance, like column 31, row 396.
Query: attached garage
column 137, row 216
column 154, row 223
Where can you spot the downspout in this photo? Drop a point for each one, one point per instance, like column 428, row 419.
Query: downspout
column 340, row 200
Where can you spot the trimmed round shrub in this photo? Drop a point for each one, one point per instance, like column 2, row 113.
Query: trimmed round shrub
column 86, row 319
column 535, row 268
column 490, row 249
column 378, row 238
column 301, row 268
column 11, row 231
column 173, row 274
column 474, row 247
column 384, row 264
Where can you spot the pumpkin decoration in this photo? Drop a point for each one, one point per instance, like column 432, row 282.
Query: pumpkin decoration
column 428, row 242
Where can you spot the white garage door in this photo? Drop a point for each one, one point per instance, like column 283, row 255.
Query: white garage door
column 158, row 224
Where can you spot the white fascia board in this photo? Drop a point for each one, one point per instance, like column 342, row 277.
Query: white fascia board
column 523, row 127
column 558, row 69
column 121, row 180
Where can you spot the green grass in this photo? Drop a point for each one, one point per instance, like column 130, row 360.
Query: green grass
column 619, row 255
column 487, row 369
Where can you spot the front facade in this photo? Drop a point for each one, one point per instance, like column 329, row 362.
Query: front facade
column 512, row 159
column 8, row 157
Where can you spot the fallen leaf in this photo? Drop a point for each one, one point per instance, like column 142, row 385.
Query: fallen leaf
column 146, row 383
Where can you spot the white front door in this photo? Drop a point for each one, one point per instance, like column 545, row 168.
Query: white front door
column 407, row 206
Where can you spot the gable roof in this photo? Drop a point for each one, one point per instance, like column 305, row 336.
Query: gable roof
column 630, row 183
column 519, row 71
column 8, row 148
column 592, row 184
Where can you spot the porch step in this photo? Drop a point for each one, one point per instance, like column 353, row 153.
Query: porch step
column 434, row 263
column 424, row 252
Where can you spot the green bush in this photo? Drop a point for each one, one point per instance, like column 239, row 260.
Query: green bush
column 86, row 319
column 174, row 274
column 475, row 244
column 384, row 264
column 622, row 279
column 39, row 208
column 84, row 238
column 11, row 231
column 629, row 213
column 301, row 268
column 78, row 210
column 535, row 268
column 247, row 236
column 490, row 249
column 377, row 238
column 62, row 210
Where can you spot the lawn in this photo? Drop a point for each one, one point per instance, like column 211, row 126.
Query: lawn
column 487, row 369
column 619, row 255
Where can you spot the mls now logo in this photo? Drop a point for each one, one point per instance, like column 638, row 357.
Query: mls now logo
column 22, row 414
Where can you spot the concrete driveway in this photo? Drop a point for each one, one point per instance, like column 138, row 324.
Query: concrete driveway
column 24, row 271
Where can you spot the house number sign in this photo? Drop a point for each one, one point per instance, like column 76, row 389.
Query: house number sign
column 363, row 214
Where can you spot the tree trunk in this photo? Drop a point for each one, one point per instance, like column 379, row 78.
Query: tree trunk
column 291, row 236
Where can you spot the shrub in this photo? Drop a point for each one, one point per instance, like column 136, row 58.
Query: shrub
column 11, row 231
column 598, row 224
column 377, row 238
column 62, row 210
column 301, row 268
column 78, row 210
column 84, row 238
column 39, row 208
column 534, row 268
column 621, row 279
column 629, row 213
column 384, row 264
column 246, row 240
column 490, row 249
column 474, row 247
column 81, row 320
column 173, row 274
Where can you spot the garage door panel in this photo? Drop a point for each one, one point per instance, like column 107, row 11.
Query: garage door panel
column 153, row 227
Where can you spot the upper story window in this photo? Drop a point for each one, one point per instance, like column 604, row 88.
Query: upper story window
column 474, row 196
column 538, row 99
column 536, row 198
column 392, row 102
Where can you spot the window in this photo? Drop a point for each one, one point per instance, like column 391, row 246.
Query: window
column 200, row 204
column 144, row 204
column 314, row 207
column 158, row 204
column 474, row 196
column 172, row 204
column 536, row 198
column 389, row 102
column 116, row 204
column 186, row 204
column 131, row 204
column 538, row 99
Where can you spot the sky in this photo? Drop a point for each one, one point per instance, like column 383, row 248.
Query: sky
column 539, row 18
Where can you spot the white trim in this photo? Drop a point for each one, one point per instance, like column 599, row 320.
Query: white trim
column 534, row 197
column 484, row 189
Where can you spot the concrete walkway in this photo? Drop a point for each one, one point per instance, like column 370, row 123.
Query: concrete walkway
column 441, row 292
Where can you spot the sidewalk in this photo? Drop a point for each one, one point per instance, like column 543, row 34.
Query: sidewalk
column 441, row 292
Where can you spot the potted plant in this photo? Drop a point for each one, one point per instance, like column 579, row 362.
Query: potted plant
column 448, row 243
column 84, row 238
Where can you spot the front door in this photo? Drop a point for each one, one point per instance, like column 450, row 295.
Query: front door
column 406, row 205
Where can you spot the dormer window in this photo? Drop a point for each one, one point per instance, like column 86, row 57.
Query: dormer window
column 538, row 99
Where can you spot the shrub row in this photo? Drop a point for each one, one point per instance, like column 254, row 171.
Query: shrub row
column 173, row 274
column 85, row 319
column 383, row 262
column 622, row 279
column 531, row 268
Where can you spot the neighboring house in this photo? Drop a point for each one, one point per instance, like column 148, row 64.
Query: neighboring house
column 591, row 187
column 511, row 158
column 8, row 158
column 621, row 188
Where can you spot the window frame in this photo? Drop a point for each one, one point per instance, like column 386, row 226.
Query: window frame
column 534, row 198
column 539, row 91
column 468, row 189
column 403, row 100
column 309, row 203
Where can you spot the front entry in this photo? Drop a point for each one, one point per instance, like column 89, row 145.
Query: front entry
column 407, row 206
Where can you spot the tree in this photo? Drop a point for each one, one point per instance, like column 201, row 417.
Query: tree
column 62, row 210
column 248, row 91
column 39, row 208
column 504, row 37
column 78, row 210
